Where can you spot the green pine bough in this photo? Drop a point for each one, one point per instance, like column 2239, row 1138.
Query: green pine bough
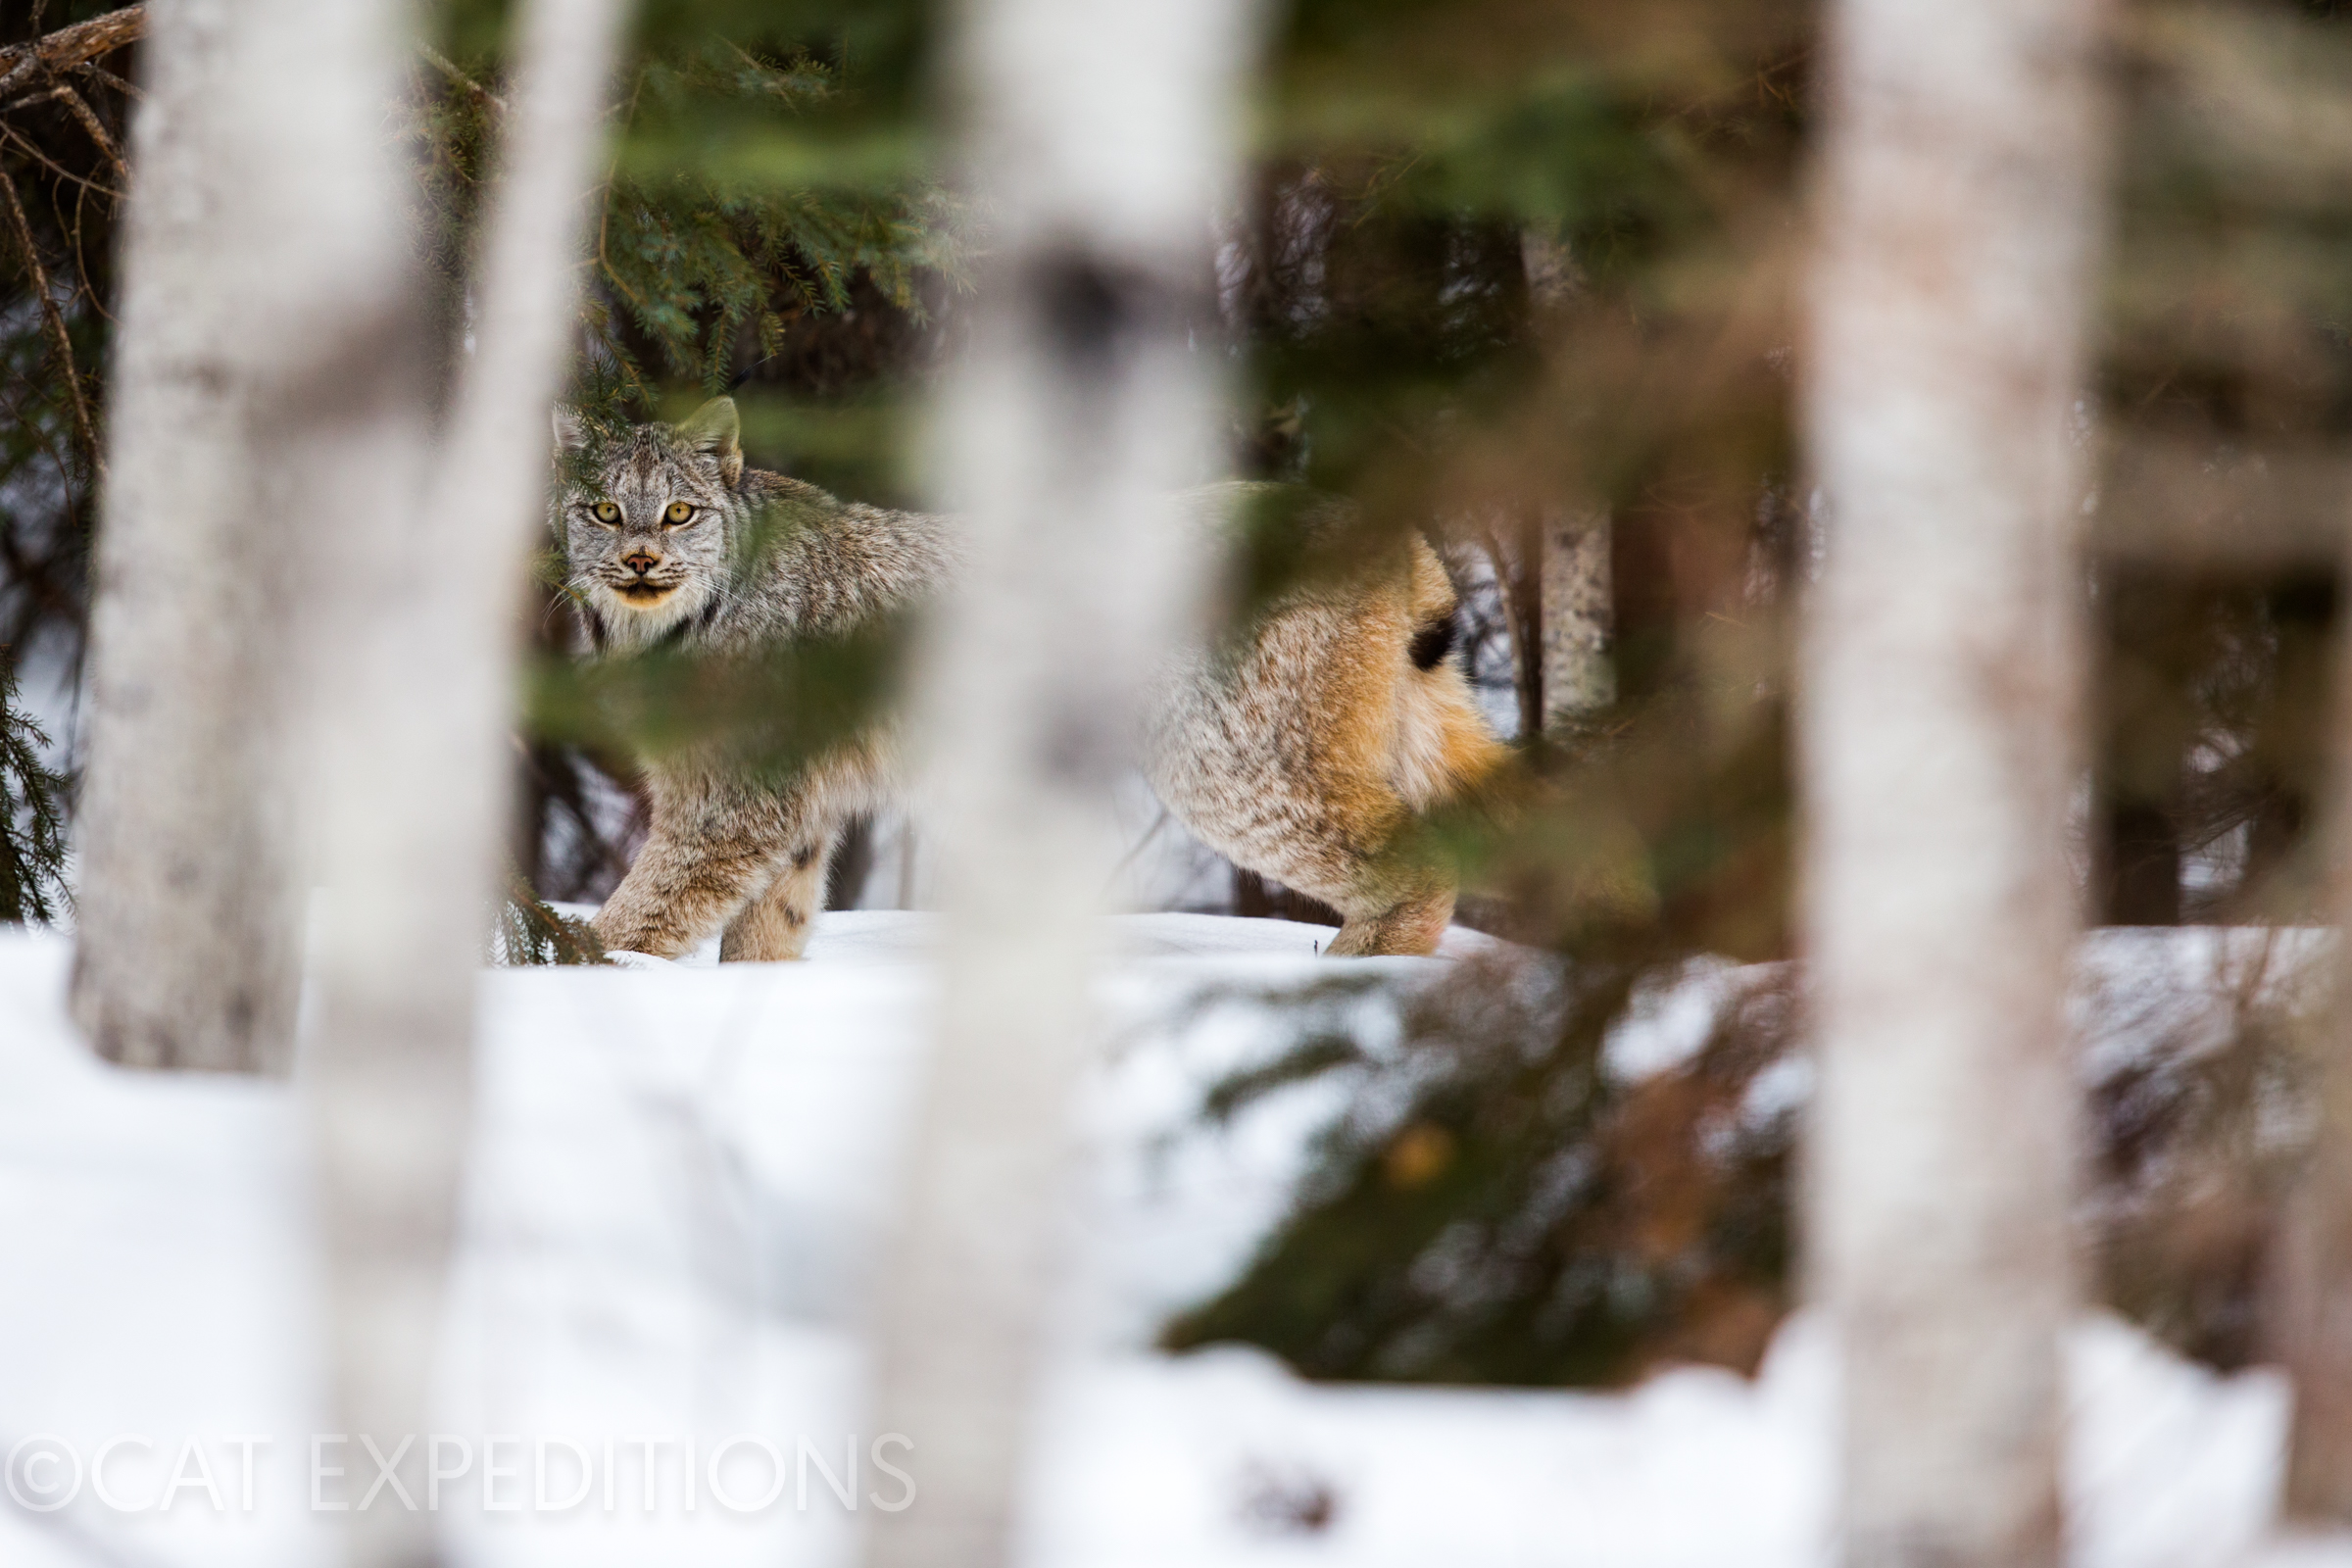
column 32, row 819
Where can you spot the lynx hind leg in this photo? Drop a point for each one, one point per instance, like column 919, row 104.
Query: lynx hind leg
column 777, row 926
column 1358, row 856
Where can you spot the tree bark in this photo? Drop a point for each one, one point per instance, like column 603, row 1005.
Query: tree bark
column 1578, row 680
column 24, row 65
column 1102, row 136
column 190, row 944
column 1568, row 674
column 1962, row 202
column 2310, row 1327
column 423, row 580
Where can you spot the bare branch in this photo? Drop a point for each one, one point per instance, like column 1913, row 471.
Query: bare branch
column 90, row 123
column 472, row 88
column 22, row 65
column 58, row 340
column 106, row 78
column 57, row 169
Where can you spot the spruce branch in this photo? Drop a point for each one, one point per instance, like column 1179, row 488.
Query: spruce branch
column 32, row 819
column 530, row 931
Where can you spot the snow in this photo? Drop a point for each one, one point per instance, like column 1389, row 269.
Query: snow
column 676, row 1175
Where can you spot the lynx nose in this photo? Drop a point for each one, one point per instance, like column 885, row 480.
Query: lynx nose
column 641, row 562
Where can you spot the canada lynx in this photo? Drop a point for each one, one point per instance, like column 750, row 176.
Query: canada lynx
column 1303, row 757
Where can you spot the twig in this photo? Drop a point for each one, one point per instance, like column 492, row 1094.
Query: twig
column 65, row 94
column 604, row 197
column 449, row 68
column 39, row 431
column 91, row 123
column 55, row 167
column 81, row 263
column 57, row 326
column 604, row 263
column 1136, row 849
column 106, row 78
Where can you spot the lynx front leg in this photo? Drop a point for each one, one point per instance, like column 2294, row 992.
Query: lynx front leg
column 682, row 889
column 776, row 924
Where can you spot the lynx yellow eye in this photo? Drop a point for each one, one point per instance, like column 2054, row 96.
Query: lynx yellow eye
column 678, row 512
column 607, row 512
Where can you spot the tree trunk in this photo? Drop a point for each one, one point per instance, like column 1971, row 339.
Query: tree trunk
column 1568, row 673
column 1962, row 206
column 1102, row 135
column 1518, row 560
column 1578, row 680
column 415, row 722
column 2310, row 1327
column 853, row 865
column 2149, row 655
column 189, row 940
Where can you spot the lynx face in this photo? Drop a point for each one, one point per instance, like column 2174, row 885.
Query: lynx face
column 649, row 519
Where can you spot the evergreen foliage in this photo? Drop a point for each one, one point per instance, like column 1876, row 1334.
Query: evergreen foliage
column 32, row 825
column 1500, row 1209
column 530, row 932
column 737, row 205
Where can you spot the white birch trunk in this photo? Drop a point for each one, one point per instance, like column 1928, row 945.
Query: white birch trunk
column 1102, row 136
column 424, row 592
column 1962, row 206
column 1579, row 677
column 189, row 940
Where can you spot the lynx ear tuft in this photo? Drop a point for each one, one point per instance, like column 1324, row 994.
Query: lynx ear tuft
column 571, row 431
column 715, row 429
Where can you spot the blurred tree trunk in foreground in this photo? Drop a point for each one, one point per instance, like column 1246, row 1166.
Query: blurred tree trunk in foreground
column 1102, row 135
column 2309, row 1320
column 427, row 593
column 189, row 939
column 2310, row 1327
column 1962, row 204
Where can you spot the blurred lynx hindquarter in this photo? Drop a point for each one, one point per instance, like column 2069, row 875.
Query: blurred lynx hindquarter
column 1303, row 754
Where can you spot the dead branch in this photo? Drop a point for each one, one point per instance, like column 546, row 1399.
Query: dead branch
column 56, row 319
column 96, row 128
column 66, row 48
column 106, row 78
column 26, row 147
column 472, row 88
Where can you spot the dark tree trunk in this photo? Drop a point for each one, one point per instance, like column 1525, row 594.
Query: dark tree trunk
column 853, row 864
column 2138, row 862
column 2148, row 647
column 1255, row 898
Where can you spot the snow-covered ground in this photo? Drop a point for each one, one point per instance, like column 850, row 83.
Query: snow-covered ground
column 677, row 1172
